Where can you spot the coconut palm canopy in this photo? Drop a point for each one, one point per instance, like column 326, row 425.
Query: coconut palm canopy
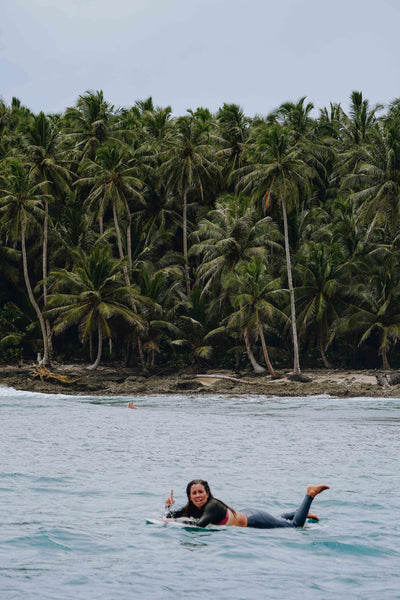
column 205, row 239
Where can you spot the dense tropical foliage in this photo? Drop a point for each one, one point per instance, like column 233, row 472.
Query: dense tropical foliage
column 160, row 242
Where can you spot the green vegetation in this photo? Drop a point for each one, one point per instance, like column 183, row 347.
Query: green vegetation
column 218, row 240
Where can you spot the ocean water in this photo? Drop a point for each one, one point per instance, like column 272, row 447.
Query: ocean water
column 79, row 476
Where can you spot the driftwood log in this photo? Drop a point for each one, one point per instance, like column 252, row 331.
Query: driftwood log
column 303, row 379
column 388, row 379
column 42, row 372
column 234, row 379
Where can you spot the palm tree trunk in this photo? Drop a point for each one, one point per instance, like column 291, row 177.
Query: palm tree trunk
column 119, row 241
column 185, row 244
column 99, row 348
column 128, row 282
column 129, row 243
column 385, row 362
column 370, row 228
column 326, row 362
column 265, row 351
column 121, row 250
column 91, row 346
column 296, row 361
column 44, row 261
column 31, row 296
column 256, row 367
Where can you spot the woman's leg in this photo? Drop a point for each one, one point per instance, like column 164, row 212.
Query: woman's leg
column 289, row 516
column 261, row 519
column 301, row 513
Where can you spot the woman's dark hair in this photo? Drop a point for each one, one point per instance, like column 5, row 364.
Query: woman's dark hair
column 198, row 482
column 190, row 510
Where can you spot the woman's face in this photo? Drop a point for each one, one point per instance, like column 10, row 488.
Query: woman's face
column 198, row 495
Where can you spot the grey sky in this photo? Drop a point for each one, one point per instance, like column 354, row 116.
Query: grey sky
column 190, row 53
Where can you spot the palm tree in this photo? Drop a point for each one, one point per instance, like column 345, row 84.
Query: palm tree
column 277, row 174
column 91, row 123
column 319, row 140
column 318, row 297
column 359, row 130
column 193, row 318
column 92, row 295
column 346, row 228
column 42, row 140
column 160, row 212
column 363, row 119
column 157, row 124
column 375, row 301
column 331, row 121
column 188, row 163
column 232, row 132
column 72, row 230
column 113, row 182
column 296, row 117
column 253, row 294
column 21, row 207
column 230, row 233
column 13, row 120
column 377, row 180
column 161, row 288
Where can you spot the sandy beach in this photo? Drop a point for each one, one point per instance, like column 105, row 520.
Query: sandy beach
column 120, row 381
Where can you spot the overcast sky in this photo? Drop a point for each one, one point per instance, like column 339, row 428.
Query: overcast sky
column 190, row 53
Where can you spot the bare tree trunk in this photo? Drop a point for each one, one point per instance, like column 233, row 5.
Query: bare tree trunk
column 185, row 244
column 127, row 281
column 370, row 228
column 385, row 362
column 91, row 346
column 256, row 367
column 296, row 361
column 44, row 264
column 265, row 351
column 119, row 242
column 99, row 348
column 31, row 296
column 129, row 243
column 326, row 362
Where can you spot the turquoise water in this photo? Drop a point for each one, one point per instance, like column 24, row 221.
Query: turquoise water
column 78, row 477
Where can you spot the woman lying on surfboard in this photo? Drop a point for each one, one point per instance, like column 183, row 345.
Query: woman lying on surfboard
column 203, row 506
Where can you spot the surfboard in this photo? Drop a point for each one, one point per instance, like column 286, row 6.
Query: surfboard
column 187, row 526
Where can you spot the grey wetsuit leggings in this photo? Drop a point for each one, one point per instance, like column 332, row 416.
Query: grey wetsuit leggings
column 263, row 520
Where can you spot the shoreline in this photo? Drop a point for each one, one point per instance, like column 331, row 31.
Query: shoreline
column 75, row 379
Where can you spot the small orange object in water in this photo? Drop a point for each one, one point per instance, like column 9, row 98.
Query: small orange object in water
column 130, row 405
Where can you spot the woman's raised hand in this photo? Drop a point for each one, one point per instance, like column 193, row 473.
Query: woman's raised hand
column 170, row 501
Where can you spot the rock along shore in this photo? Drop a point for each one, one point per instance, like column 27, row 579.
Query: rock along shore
column 75, row 379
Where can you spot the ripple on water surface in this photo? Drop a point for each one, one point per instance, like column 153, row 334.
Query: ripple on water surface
column 79, row 476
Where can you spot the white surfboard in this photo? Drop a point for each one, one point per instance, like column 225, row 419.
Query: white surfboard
column 174, row 523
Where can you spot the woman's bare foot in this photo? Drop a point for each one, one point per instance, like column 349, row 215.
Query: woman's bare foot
column 313, row 517
column 314, row 490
